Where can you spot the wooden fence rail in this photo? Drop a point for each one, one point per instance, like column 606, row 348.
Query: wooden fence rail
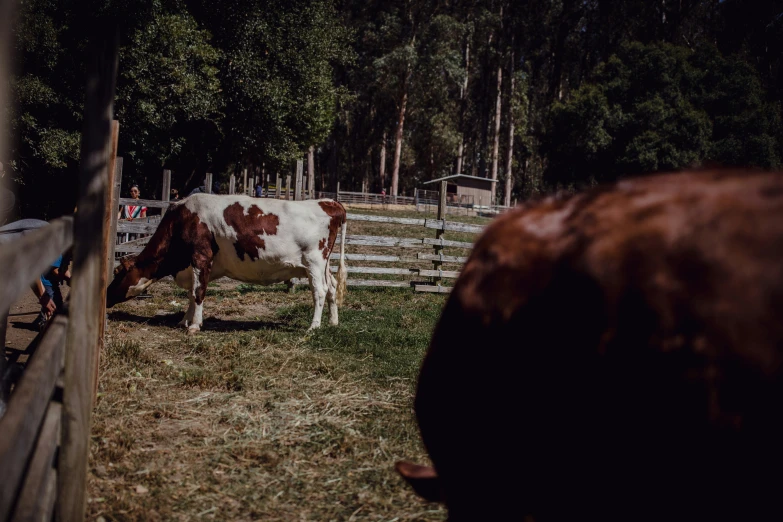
column 45, row 431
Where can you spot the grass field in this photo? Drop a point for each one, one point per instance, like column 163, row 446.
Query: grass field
column 254, row 418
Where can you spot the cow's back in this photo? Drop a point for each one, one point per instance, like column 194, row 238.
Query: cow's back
column 615, row 354
column 264, row 240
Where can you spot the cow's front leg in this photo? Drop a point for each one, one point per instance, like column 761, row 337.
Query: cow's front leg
column 184, row 280
column 188, row 319
column 200, row 280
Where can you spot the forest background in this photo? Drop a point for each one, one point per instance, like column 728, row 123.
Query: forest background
column 542, row 95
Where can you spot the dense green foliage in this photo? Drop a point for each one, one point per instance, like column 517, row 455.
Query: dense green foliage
column 601, row 89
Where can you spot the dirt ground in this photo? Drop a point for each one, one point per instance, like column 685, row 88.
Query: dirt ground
column 20, row 329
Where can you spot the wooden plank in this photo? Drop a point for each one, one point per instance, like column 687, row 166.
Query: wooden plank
column 442, row 258
column 433, row 289
column 445, row 274
column 105, row 278
column 87, row 298
column 208, row 183
column 453, row 226
column 151, row 203
column 5, row 389
column 446, row 243
column 139, row 228
column 114, row 205
column 366, row 257
column 387, row 219
column 378, row 282
column 129, row 249
column 26, row 411
column 166, row 195
column 24, row 260
column 32, row 504
column 298, row 196
column 141, row 241
column 381, row 241
column 378, row 270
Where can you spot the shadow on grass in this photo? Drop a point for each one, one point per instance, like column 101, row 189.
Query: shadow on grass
column 210, row 323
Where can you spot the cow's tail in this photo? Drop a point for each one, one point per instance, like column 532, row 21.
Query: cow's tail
column 342, row 270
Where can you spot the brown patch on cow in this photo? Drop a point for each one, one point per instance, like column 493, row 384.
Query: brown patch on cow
column 181, row 240
column 250, row 227
column 337, row 214
column 322, row 246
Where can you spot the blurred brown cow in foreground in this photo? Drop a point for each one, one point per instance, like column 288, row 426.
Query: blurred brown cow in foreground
column 615, row 355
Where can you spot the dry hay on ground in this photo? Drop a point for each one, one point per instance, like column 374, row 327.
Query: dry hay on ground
column 254, row 419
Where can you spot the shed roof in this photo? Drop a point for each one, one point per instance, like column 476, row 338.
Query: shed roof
column 453, row 176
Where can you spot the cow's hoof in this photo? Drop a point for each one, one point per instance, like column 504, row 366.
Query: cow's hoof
column 193, row 329
column 313, row 327
column 333, row 323
column 183, row 322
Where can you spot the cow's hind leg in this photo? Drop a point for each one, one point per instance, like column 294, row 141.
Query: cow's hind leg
column 319, row 286
column 331, row 296
column 197, row 294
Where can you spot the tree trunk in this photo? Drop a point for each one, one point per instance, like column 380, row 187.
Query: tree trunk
column 496, row 140
column 395, row 181
column 311, row 171
column 383, row 163
column 510, row 151
column 463, row 94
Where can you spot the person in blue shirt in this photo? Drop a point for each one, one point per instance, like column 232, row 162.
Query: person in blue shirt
column 259, row 190
column 58, row 273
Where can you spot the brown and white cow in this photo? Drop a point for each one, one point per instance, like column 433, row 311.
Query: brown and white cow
column 615, row 355
column 262, row 241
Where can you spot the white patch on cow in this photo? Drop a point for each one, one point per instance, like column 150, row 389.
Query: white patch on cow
column 139, row 287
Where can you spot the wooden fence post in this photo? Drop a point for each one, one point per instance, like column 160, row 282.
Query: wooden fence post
column 337, row 194
column 244, row 185
column 166, row 190
column 436, row 265
column 416, row 198
column 311, row 171
column 108, row 239
column 87, row 298
column 114, row 204
column 288, row 187
column 266, row 186
column 232, row 184
column 208, row 183
column 298, row 189
column 277, row 186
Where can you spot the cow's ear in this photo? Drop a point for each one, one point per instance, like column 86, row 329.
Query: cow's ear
column 423, row 479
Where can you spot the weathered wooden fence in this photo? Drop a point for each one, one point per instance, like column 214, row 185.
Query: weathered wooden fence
column 45, row 431
column 423, row 271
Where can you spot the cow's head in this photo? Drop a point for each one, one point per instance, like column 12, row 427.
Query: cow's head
column 129, row 281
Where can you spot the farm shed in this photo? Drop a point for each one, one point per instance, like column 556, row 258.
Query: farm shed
column 461, row 186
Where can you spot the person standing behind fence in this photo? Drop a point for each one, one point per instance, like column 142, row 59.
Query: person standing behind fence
column 259, row 190
column 174, row 195
column 131, row 212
